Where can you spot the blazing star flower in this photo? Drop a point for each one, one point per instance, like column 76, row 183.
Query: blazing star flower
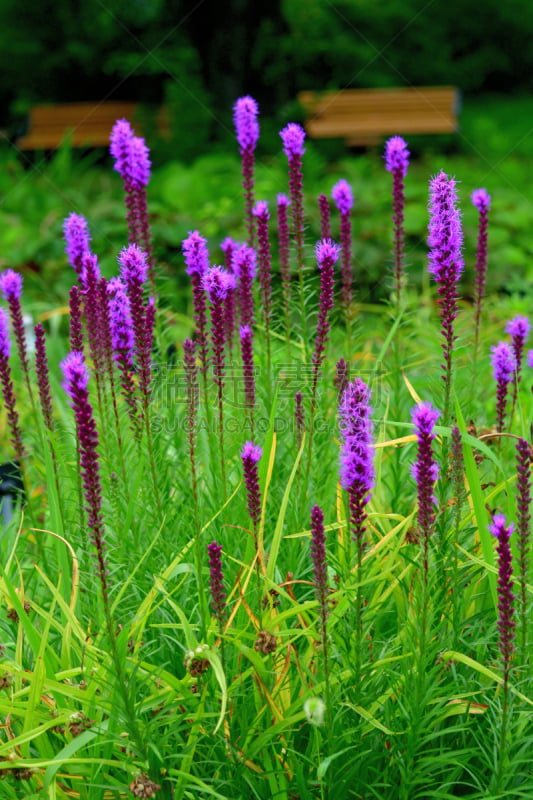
column 245, row 114
column 503, row 371
column 6, row 386
column 250, row 455
column 481, row 199
column 343, row 196
column 217, row 282
column 320, row 567
column 425, row 472
column 356, row 457
column 196, row 254
column 506, row 621
column 396, row 156
column 11, row 285
column 77, row 240
column 293, row 136
column 131, row 155
column 216, row 581
column 518, row 329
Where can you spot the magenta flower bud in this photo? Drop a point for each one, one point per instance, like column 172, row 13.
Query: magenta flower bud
column 325, row 215
column 299, row 418
column 141, row 164
column 250, row 456
column 75, row 329
column 356, row 456
column 75, row 384
column 5, row 341
column 292, row 137
column 425, row 472
column 518, row 329
column 244, row 266
column 245, row 113
column 506, row 620
column 11, row 285
column 196, row 254
column 216, row 582
column 262, row 214
column 228, row 247
column 320, row 567
column 342, row 376
column 283, row 203
column 131, row 154
column 503, row 372
column 327, row 254
column 247, row 355
column 6, row 384
column 481, row 199
column 120, row 322
column 77, row 240
column 43, row 379
column 343, row 196
column 523, row 528
column 396, row 156
column 529, row 358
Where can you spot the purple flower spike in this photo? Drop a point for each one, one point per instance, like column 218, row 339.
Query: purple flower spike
column 506, row 620
column 75, row 328
column 247, row 355
column 76, row 382
column 11, row 285
column 77, row 240
column 503, row 371
column 228, row 247
column 262, row 214
column 343, row 196
column 320, row 567
column 481, row 199
column 397, row 156
column 245, row 113
column 325, row 217
column 293, row 136
column 133, row 264
column 425, row 472
column 197, row 263
column 6, row 384
column 244, row 265
column 120, row 323
column 327, row 254
column 250, row 456
column 120, row 147
column 445, row 265
column 43, row 379
column 196, row 254
column 217, row 283
column 216, row 582
column 518, row 329
column 397, row 162
column 141, row 166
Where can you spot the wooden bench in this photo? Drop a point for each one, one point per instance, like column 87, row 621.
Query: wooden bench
column 364, row 116
column 85, row 124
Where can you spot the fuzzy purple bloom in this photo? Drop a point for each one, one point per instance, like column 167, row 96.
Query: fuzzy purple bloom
column 130, row 153
column 133, row 264
column 356, row 456
column 217, row 282
column 6, row 383
column 43, row 379
column 506, row 620
column 216, row 582
column 481, row 200
column 76, row 382
column 197, row 263
column 11, row 285
column 503, row 371
column 518, row 329
column 120, row 323
column 343, row 196
column 292, row 137
column 250, row 455
column 396, row 156
column 425, row 473
column 245, row 113
column 77, row 240
column 445, row 264
column 196, row 254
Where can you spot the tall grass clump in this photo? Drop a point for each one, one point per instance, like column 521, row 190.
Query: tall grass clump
column 249, row 557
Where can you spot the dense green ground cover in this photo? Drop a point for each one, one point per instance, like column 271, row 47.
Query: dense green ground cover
column 412, row 673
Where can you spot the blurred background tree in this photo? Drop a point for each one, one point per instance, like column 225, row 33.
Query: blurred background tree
column 197, row 58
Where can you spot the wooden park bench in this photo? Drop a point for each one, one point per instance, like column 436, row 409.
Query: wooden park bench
column 86, row 124
column 364, row 116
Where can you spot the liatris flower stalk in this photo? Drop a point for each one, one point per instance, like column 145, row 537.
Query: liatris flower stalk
column 503, row 370
column 320, row 575
column 216, row 583
column 397, row 163
column 247, row 355
column 343, row 198
column 445, row 265
column 250, row 455
column 75, row 329
column 284, row 258
column 230, row 311
column 342, row 377
column 244, row 264
column 77, row 241
column 123, row 346
column 327, row 254
column 293, row 137
column 43, row 379
column 7, row 387
column 523, row 531
column 481, row 200
column 299, row 420
column 197, row 263
column 11, row 289
column 506, row 620
column 518, row 329
column 217, row 282
column 425, row 472
column 76, row 385
column 262, row 214
column 245, row 114
column 325, row 217
column 90, row 276
column 132, row 162
column 134, row 272
column 356, row 457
